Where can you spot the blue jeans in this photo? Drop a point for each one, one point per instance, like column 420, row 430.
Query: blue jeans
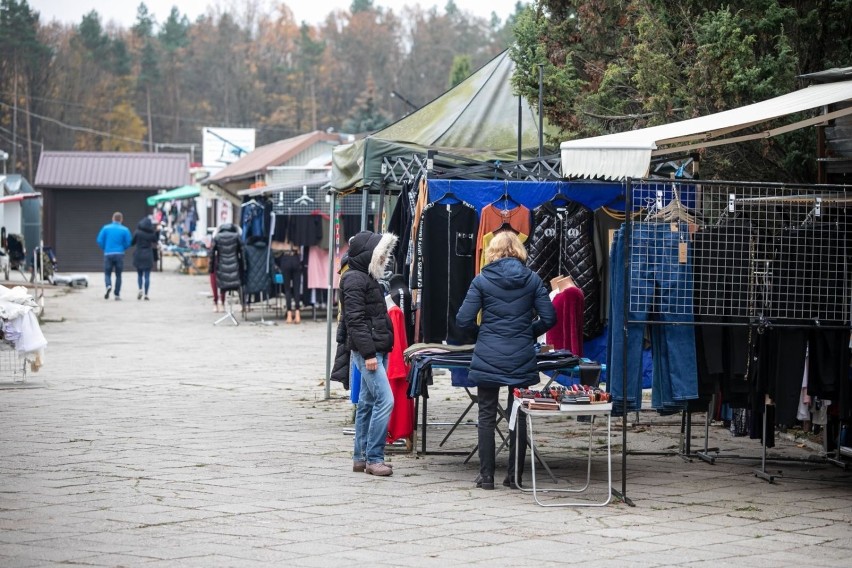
column 375, row 403
column 113, row 262
column 143, row 277
column 661, row 288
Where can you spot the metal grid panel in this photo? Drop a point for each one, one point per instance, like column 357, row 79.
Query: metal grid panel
column 765, row 254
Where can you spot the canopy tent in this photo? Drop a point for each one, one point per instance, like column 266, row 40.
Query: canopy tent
column 182, row 192
column 628, row 154
column 477, row 119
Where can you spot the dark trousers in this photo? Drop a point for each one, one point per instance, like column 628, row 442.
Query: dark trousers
column 487, row 397
column 291, row 269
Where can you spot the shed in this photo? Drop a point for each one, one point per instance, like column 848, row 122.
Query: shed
column 82, row 190
column 286, row 161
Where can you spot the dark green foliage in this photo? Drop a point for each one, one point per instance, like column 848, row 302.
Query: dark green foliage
column 615, row 65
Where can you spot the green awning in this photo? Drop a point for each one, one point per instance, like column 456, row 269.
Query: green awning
column 182, row 192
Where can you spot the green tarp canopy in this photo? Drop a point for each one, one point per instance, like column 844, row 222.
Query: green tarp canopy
column 477, row 119
column 182, row 192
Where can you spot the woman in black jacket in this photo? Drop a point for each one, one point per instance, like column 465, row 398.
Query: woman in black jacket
column 145, row 239
column 515, row 310
column 369, row 336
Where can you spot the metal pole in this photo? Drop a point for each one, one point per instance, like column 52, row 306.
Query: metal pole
column 628, row 209
column 520, row 125
column 365, row 196
column 540, row 106
column 329, row 309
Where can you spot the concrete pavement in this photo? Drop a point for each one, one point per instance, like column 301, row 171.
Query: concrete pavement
column 153, row 438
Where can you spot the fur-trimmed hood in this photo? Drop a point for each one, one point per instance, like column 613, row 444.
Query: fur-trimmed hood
column 370, row 252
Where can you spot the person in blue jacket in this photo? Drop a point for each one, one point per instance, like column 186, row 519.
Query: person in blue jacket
column 114, row 238
column 515, row 310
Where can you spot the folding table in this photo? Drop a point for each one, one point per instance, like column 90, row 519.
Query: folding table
column 575, row 410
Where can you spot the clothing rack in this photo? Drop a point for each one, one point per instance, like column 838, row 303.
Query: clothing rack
column 728, row 199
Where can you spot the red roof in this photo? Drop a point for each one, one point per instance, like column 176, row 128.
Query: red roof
column 278, row 153
column 112, row 170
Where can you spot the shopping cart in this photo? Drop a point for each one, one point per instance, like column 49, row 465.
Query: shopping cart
column 12, row 366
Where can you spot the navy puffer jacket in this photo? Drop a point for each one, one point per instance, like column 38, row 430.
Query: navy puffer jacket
column 515, row 310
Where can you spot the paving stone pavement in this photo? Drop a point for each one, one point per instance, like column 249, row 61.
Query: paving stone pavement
column 153, row 438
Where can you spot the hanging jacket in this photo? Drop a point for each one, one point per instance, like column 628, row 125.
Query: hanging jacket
column 340, row 370
column 259, row 267
column 227, row 257
column 562, row 244
column 365, row 313
column 145, row 239
column 507, row 292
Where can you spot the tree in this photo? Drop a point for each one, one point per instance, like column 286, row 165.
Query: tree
column 461, row 70
column 366, row 116
column 615, row 65
column 174, row 38
column 23, row 68
column 309, row 53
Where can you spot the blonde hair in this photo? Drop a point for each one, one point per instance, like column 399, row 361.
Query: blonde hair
column 505, row 244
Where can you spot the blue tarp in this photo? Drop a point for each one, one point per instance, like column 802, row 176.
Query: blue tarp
column 531, row 194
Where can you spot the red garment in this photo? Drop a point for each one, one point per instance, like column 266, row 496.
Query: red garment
column 401, row 423
column 568, row 331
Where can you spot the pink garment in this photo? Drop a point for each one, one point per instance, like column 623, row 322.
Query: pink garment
column 568, row 331
column 318, row 267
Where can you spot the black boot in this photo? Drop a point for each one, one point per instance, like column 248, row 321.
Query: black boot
column 510, row 482
column 485, row 481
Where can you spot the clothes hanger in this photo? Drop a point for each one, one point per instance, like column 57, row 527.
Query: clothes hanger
column 251, row 201
column 506, row 200
column 449, row 195
column 560, row 197
column 674, row 211
column 304, row 199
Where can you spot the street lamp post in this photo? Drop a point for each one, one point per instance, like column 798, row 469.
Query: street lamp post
column 3, row 157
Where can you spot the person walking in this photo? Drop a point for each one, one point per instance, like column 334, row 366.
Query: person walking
column 145, row 239
column 516, row 309
column 369, row 336
column 114, row 238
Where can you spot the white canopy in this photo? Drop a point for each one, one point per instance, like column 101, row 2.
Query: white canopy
column 628, row 154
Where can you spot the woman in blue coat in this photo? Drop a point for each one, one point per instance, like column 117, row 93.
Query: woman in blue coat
column 515, row 309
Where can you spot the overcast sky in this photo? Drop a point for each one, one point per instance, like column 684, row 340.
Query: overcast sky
column 123, row 12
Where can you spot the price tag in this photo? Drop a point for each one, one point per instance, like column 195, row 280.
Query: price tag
column 681, row 252
column 674, row 228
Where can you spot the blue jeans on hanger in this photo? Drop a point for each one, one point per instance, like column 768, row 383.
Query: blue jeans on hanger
column 375, row 403
column 661, row 288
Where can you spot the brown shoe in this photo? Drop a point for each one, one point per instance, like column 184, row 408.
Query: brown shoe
column 380, row 468
column 359, row 466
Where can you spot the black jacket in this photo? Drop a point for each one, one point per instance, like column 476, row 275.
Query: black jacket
column 365, row 313
column 145, row 238
column 259, row 268
column 564, row 246
column 227, row 257
column 340, row 370
column 515, row 310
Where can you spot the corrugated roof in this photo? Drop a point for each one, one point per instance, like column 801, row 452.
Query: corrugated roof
column 275, row 154
column 112, row 170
